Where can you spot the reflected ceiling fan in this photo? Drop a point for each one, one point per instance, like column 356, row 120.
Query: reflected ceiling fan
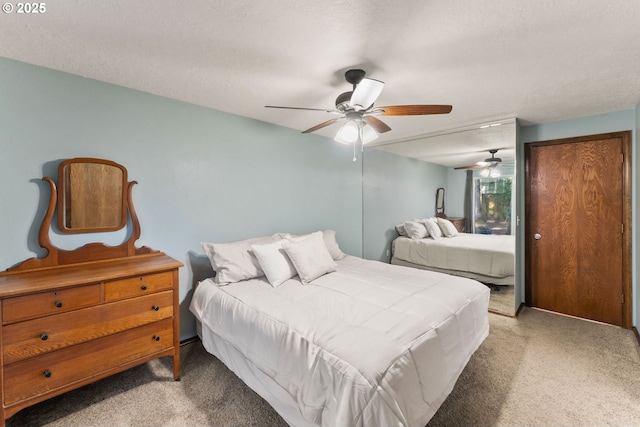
column 356, row 108
column 489, row 165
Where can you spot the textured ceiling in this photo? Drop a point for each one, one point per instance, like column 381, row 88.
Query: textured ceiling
column 538, row 61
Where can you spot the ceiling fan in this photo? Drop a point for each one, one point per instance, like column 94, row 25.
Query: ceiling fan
column 356, row 108
column 490, row 165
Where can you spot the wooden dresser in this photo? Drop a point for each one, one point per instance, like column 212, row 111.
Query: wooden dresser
column 76, row 316
column 458, row 223
column 68, row 326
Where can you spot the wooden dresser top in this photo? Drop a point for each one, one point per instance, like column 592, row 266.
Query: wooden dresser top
column 21, row 282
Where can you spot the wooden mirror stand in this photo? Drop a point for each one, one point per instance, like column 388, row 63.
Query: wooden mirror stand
column 92, row 251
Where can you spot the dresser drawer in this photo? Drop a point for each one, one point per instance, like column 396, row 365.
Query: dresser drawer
column 135, row 286
column 30, row 338
column 46, row 303
column 51, row 371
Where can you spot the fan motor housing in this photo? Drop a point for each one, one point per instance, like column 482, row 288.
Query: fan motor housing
column 354, row 76
column 342, row 101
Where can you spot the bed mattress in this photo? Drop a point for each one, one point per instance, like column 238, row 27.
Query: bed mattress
column 370, row 344
column 481, row 254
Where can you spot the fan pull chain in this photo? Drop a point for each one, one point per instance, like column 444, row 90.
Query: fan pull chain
column 354, row 152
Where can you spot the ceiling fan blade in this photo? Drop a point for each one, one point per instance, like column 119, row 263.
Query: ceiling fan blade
column 377, row 124
column 470, row 167
column 303, row 108
column 321, row 125
column 414, row 110
column 366, row 93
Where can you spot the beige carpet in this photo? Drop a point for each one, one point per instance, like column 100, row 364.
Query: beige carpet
column 544, row 369
column 540, row 369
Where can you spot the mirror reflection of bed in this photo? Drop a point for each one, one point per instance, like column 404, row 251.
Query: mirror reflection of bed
column 475, row 203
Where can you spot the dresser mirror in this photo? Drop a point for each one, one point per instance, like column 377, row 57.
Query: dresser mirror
column 440, row 202
column 92, row 195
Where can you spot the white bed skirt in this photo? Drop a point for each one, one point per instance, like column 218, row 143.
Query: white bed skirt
column 504, row 281
column 253, row 377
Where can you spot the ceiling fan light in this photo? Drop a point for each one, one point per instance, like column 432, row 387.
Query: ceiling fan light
column 484, row 173
column 495, row 173
column 368, row 134
column 348, row 133
column 366, row 93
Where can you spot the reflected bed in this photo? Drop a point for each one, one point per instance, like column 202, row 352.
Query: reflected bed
column 488, row 258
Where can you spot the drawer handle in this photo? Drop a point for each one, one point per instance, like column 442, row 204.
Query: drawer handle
column 143, row 287
column 156, row 338
column 44, row 337
column 156, row 308
column 47, row 373
column 58, row 304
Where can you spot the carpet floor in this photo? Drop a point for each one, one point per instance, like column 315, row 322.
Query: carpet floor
column 539, row 369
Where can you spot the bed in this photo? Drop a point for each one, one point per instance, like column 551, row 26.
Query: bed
column 365, row 344
column 488, row 258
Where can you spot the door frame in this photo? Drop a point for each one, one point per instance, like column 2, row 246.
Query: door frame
column 625, row 137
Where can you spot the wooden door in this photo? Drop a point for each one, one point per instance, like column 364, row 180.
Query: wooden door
column 578, row 227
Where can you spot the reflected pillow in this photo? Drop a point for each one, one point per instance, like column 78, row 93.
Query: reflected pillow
column 310, row 256
column 447, row 227
column 416, row 230
column 400, row 229
column 433, row 228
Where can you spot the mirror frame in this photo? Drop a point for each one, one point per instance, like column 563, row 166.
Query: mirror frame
column 440, row 202
column 95, row 251
column 64, row 192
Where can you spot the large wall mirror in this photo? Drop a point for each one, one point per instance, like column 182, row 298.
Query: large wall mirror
column 479, row 185
column 92, row 196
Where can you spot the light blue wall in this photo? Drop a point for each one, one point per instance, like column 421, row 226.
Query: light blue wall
column 603, row 123
column 203, row 175
column 395, row 189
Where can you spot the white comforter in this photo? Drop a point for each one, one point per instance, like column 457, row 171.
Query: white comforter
column 486, row 254
column 371, row 344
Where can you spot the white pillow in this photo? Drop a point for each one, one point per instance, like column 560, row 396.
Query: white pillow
column 415, row 230
column 448, row 229
column 274, row 262
column 234, row 261
column 400, row 229
column 329, row 237
column 433, row 228
column 310, row 256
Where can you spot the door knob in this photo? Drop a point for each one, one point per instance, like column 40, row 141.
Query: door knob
column 537, row 236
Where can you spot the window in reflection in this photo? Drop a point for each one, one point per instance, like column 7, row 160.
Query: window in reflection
column 492, row 205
